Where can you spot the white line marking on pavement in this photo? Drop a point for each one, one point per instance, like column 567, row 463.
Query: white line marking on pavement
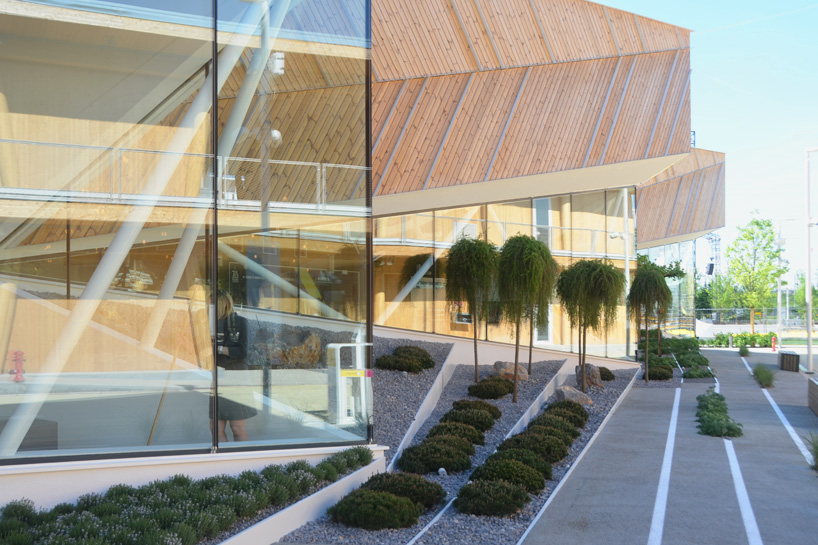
column 750, row 526
column 718, row 386
column 797, row 440
column 657, row 524
column 747, row 365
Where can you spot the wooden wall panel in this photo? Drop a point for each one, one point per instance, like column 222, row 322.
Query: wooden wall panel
column 477, row 131
column 694, row 187
column 384, row 98
column 392, row 131
column 679, row 88
column 626, row 32
column 576, row 30
column 606, row 124
column 476, row 31
column 416, row 152
column 680, row 142
column 640, row 108
column 515, row 31
column 413, row 39
column 658, row 36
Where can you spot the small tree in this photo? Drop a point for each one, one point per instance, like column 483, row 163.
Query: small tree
column 522, row 277
column 755, row 264
column 590, row 292
column 471, row 268
column 649, row 294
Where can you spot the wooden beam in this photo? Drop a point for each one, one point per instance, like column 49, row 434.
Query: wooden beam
column 508, row 122
column 678, row 112
column 662, row 104
column 488, row 33
column 618, row 108
column 466, row 34
column 448, row 131
column 602, row 112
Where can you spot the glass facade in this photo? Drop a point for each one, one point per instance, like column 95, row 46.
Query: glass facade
column 156, row 160
column 410, row 254
column 680, row 318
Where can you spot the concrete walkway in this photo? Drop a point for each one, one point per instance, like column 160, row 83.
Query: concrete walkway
column 768, row 494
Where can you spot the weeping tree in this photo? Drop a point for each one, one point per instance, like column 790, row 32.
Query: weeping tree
column 525, row 281
column 590, row 292
column 471, row 268
column 649, row 294
column 673, row 270
column 538, row 313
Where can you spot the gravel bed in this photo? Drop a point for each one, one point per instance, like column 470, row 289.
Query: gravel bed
column 325, row 531
column 398, row 395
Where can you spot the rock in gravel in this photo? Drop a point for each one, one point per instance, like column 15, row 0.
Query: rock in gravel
column 592, row 377
column 506, row 370
column 572, row 394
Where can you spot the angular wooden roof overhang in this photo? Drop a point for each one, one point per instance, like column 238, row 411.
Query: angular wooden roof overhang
column 684, row 202
column 490, row 98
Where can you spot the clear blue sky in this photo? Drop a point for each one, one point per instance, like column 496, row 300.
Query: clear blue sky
column 754, row 93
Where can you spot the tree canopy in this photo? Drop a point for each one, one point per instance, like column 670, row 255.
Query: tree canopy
column 755, row 264
column 649, row 295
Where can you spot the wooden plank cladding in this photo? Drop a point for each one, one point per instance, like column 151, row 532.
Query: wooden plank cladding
column 685, row 199
column 564, row 116
column 440, row 37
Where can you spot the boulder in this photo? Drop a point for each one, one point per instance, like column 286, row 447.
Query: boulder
column 506, row 370
column 592, row 378
column 305, row 355
column 572, row 394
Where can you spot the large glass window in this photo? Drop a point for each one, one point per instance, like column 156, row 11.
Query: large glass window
column 180, row 280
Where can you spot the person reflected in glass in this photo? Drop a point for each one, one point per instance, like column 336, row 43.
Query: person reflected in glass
column 235, row 402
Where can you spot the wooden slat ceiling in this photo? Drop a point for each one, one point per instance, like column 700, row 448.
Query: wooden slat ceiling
column 686, row 199
column 453, row 130
column 439, row 37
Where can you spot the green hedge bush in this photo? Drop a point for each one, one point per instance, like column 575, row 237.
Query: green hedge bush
column 477, row 418
column 606, row 374
column 550, row 449
column 743, row 351
column 554, row 421
column 661, row 372
column 491, row 498
column 460, row 443
column 692, row 359
column 572, row 406
column 566, row 438
column 407, row 485
column 511, row 471
column 491, row 388
column 474, row 435
column 374, row 510
column 430, row 456
column 525, row 456
column 713, row 418
column 697, row 372
column 571, row 417
column 463, row 404
column 411, row 359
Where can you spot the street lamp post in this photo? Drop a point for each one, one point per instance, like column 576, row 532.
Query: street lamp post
column 808, row 276
column 780, row 242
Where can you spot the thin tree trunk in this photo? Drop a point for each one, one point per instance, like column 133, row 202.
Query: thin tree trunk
column 583, row 335
column 659, row 333
column 530, row 345
column 752, row 320
column 476, row 374
column 516, row 359
column 647, row 373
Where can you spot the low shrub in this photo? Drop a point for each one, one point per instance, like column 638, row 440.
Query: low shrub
column 763, row 375
column 566, row 438
column 477, row 418
column 680, row 345
column 374, row 510
column 491, row 388
column 713, row 418
column 659, row 361
column 693, row 359
column 430, row 456
column 571, row 417
column 812, row 441
column 525, row 456
column 463, row 404
column 661, row 372
column 411, row 359
column 572, row 406
column 460, row 443
column 743, row 351
column 606, row 374
column 471, row 433
column 407, row 485
column 491, row 498
column 554, row 421
column 697, row 372
column 511, row 471
column 550, row 449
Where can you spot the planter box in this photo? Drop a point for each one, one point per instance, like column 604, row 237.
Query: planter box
column 788, row 361
column 812, row 395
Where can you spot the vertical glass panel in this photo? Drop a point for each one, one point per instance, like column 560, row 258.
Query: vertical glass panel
column 105, row 178
column 561, row 224
column 588, row 224
column 404, row 271
column 293, row 221
column 508, row 219
column 450, row 225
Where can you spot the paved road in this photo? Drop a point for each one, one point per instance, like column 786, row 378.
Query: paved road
column 611, row 496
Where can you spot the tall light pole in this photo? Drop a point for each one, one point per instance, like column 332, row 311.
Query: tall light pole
column 808, row 276
column 780, row 242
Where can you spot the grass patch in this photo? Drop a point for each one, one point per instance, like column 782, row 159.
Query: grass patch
column 713, row 418
column 812, row 441
column 763, row 375
column 743, row 351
